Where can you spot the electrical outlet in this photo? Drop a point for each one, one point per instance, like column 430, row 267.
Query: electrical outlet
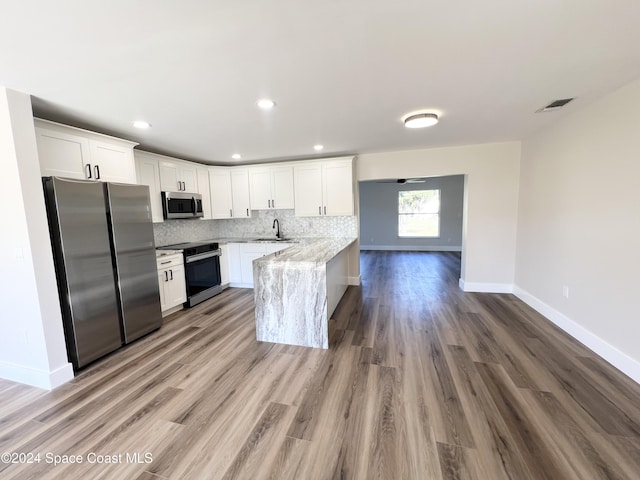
column 565, row 291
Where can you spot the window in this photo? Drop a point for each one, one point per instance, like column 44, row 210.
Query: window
column 419, row 213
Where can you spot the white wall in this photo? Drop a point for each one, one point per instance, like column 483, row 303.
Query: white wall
column 491, row 202
column 32, row 348
column 579, row 225
column 379, row 215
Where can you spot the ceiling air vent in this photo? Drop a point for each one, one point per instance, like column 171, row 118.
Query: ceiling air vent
column 555, row 105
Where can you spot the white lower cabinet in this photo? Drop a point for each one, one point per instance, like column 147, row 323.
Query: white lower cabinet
column 224, row 265
column 241, row 257
column 173, row 289
column 248, row 253
column 235, row 276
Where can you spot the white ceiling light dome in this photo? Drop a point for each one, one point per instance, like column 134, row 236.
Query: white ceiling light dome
column 420, row 120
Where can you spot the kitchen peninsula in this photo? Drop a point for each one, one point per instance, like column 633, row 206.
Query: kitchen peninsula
column 296, row 291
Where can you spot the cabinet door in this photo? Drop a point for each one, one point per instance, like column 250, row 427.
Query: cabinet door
column 204, row 189
column 148, row 174
column 337, row 184
column 224, row 264
column 235, row 272
column 187, row 173
column 164, row 290
column 260, row 188
column 63, row 155
column 112, row 163
column 240, row 193
column 220, row 188
column 169, row 177
column 282, row 188
column 248, row 253
column 307, row 182
column 177, row 286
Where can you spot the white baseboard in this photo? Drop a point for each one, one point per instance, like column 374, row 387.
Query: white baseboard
column 413, row 248
column 353, row 280
column 482, row 287
column 36, row 378
column 611, row 354
column 171, row 310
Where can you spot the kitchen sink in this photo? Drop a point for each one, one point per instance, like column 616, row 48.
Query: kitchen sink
column 272, row 239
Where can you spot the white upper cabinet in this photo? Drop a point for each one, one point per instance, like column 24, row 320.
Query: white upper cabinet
column 112, row 162
column 178, row 176
column 324, row 188
column 204, row 189
column 260, row 187
column 271, row 187
column 240, row 193
column 75, row 153
column 337, row 187
column 148, row 173
column 307, row 180
column 220, row 188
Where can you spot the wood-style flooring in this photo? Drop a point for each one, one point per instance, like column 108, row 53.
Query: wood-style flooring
column 422, row 381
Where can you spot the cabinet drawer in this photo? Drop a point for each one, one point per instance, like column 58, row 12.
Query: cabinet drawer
column 170, row 261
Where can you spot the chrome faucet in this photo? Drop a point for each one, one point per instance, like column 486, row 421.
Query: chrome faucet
column 276, row 223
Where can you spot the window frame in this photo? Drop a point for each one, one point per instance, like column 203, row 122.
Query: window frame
column 438, row 213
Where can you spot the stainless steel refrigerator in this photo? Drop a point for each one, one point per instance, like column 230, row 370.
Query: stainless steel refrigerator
column 104, row 253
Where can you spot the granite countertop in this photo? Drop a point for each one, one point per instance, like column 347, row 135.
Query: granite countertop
column 253, row 239
column 166, row 253
column 309, row 250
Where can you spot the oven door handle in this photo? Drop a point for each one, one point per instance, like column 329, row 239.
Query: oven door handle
column 203, row 256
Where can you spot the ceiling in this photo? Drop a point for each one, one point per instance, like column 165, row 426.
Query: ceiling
column 342, row 73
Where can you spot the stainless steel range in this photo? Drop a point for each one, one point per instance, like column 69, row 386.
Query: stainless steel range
column 202, row 270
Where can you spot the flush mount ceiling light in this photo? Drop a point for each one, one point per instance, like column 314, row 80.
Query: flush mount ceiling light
column 141, row 124
column 266, row 103
column 421, row 120
column 317, row 148
column 236, row 156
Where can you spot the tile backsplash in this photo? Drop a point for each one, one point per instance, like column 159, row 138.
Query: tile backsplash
column 259, row 225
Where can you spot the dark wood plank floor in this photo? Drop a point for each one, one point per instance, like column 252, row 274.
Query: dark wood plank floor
column 422, row 381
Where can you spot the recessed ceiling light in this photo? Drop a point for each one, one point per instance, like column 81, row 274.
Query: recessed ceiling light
column 266, row 104
column 317, row 148
column 236, row 156
column 421, row 120
column 141, row 124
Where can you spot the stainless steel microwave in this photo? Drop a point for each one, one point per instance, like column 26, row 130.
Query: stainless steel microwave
column 181, row 205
